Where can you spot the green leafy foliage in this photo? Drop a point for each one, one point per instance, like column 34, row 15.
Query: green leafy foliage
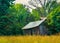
column 35, row 14
column 4, row 5
column 17, row 17
column 54, row 20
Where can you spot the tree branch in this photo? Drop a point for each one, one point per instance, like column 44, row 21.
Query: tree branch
column 36, row 9
column 33, row 4
column 41, row 3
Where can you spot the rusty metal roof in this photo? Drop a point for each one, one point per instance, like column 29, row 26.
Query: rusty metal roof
column 34, row 24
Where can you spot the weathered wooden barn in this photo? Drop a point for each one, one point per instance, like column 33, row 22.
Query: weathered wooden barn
column 35, row 28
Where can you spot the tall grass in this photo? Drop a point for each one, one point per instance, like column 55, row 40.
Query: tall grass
column 29, row 39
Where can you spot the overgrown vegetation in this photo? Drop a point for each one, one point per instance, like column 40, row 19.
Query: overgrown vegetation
column 54, row 21
column 15, row 16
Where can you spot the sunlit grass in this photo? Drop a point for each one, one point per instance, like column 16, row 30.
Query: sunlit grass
column 29, row 39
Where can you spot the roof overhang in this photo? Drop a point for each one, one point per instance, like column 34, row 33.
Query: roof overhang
column 34, row 24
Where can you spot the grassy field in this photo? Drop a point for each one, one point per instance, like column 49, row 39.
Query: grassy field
column 29, row 39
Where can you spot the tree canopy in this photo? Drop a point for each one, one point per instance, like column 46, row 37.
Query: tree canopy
column 46, row 5
column 54, row 20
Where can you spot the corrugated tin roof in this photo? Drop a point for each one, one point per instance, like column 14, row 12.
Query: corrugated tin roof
column 33, row 24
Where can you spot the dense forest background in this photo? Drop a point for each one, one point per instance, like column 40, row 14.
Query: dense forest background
column 15, row 16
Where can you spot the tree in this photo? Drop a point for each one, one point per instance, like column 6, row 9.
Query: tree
column 4, row 5
column 47, row 6
column 35, row 14
column 53, row 21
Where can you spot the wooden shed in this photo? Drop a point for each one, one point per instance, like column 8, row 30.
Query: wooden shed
column 35, row 28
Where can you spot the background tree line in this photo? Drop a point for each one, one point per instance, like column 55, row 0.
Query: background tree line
column 15, row 16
